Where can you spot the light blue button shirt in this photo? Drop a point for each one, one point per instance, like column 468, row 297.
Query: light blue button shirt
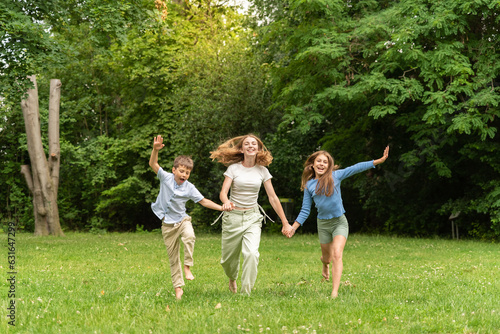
column 170, row 205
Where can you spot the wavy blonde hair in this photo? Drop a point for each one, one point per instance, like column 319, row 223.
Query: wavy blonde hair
column 325, row 184
column 229, row 152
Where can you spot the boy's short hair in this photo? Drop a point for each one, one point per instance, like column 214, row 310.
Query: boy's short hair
column 185, row 161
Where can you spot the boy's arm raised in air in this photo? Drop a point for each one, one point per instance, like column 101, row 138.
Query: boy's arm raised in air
column 153, row 160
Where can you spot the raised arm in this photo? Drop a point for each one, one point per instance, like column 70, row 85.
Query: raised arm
column 384, row 157
column 153, row 160
column 276, row 204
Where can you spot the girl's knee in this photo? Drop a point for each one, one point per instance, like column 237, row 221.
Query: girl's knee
column 251, row 255
column 337, row 256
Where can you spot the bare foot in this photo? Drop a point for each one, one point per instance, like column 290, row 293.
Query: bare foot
column 178, row 293
column 232, row 286
column 334, row 295
column 326, row 271
column 188, row 274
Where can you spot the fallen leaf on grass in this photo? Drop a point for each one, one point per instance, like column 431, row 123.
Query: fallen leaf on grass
column 167, row 308
column 218, row 306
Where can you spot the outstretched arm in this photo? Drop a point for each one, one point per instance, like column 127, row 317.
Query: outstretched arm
column 153, row 160
column 384, row 157
column 275, row 203
column 211, row 205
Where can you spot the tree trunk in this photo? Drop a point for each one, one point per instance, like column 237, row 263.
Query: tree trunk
column 43, row 182
column 33, row 182
column 54, row 148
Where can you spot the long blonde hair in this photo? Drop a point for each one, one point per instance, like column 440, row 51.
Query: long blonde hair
column 325, row 184
column 229, row 152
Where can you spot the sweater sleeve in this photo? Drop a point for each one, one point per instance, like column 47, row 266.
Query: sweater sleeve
column 306, row 207
column 354, row 169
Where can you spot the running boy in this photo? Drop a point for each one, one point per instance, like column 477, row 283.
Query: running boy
column 170, row 207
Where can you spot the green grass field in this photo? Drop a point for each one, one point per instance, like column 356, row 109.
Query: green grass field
column 120, row 283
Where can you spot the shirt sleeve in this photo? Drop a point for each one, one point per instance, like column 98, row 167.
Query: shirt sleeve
column 230, row 171
column 162, row 175
column 306, row 207
column 266, row 175
column 195, row 195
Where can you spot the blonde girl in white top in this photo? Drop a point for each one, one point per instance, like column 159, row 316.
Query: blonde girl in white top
column 246, row 158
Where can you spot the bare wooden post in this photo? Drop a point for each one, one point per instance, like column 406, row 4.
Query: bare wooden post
column 41, row 181
column 454, row 226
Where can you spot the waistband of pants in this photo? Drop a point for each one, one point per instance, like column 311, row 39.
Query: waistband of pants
column 254, row 209
column 175, row 224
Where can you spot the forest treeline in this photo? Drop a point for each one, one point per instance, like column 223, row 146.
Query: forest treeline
column 346, row 76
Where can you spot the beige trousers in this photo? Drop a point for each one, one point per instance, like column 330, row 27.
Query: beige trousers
column 171, row 234
column 241, row 232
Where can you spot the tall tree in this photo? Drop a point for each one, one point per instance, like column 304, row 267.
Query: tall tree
column 43, row 177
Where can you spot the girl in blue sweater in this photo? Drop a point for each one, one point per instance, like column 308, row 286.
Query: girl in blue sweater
column 321, row 180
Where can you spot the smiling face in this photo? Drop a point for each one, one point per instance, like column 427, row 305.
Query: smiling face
column 320, row 165
column 181, row 174
column 250, row 146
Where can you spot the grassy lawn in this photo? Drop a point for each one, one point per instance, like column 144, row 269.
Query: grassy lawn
column 120, row 283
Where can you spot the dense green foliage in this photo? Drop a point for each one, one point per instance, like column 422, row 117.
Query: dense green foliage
column 349, row 77
column 421, row 76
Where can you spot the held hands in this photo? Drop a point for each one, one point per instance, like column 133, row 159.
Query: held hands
column 228, row 206
column 292, row 230
column 286, row 230
column 158, row 143
column 384, row 157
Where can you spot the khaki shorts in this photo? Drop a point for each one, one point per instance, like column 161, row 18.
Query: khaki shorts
column 329, row 228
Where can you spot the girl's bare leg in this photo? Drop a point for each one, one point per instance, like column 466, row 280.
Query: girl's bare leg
column 337, row 249
column 325, row 259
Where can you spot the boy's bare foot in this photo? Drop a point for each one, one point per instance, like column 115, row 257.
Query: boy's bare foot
column 188, row 274
column 178, row 293
column 334, row 295
column 326, row 271
column 232, row 286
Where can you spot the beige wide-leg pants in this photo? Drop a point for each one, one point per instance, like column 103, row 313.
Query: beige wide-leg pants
column 241, row 230
column 171, row 234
